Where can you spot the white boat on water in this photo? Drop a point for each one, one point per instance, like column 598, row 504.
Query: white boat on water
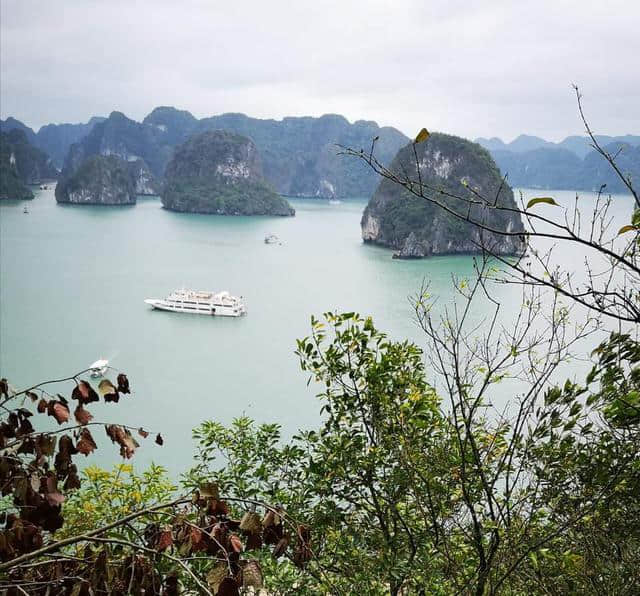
column 271, row 239
column 200, row 303
column 98, row 368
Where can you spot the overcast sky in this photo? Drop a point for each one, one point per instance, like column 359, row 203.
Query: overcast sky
column 496, row 68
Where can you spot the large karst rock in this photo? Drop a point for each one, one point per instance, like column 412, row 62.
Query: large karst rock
column 99, row 180
column 21, row 164
column 220, row 172
column 416, row 228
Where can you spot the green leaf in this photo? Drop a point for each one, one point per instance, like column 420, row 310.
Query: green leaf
column 423, row 135
column 547, row 200
column 628, row 228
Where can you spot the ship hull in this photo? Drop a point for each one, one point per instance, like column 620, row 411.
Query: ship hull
column 209, row 310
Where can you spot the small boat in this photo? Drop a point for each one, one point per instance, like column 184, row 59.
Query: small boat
column 25, row 210
column 200, row 303
column 44, row 187
column 271, row 239
column 98, row 368
column 335, row 202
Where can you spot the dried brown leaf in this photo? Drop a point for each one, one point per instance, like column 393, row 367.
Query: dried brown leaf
column 82, row 416
column 86, row 444
column 84, row 393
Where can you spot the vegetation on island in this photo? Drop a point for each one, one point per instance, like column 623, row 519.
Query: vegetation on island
column 451, row 167
column 220, row 172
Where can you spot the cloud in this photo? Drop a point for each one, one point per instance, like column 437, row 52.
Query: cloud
column 470, row 68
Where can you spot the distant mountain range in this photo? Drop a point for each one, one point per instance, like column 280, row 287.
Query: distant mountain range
column 571, row 164
column 300, row 158
column 299, row 155
column 581, row 146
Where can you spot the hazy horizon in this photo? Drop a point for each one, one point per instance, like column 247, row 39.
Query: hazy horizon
column 476, row 71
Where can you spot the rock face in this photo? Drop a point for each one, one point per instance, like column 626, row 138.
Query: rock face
column 131, row 141
column 220, row 172
column 143, row 180
column 100, row 180
column 417, row 228
column 132, row 149
column 21, row 164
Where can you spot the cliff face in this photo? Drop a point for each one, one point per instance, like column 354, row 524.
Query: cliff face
column 143, row 180
column 21, row 164
column 417, row 228
column 124, row 138
column 220, row 172
column 121, row 138
column 100, row 180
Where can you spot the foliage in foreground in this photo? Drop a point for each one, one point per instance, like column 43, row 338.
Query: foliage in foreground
column 402, row 498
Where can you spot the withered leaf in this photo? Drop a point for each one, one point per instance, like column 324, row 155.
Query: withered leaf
column 254, row 541
column 159, row 439
column 32, row 396
column 86, row 444
column 228, row 587
column 301, row 555
column 42, row 406
column 197, row 539
column 235, row 543
column 45, row 444
column 84, row 393
column 252, row 575
column 216, row 575
column 164, row 539
column 280, row 547
column 209, row 490
column 251, row 522
column 143, row 433
column 73, row 480
column 123, row 383
column 123, row 437
column 216, row 507
column 58, row 410
column 82, row 416
column 108, row 391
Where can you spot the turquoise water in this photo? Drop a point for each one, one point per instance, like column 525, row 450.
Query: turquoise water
column 74, row 279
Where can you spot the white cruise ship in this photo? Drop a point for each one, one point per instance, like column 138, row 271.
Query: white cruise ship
column 200, row 303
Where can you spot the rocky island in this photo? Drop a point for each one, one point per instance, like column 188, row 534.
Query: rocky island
column 417, row 228
column 99, row 180
column 220, row 172
column 21, row 164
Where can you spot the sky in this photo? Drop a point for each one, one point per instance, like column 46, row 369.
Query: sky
column 493, row 68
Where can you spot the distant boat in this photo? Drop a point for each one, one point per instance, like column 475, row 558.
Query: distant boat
column 25, row 210
column 200, row 303
column 334, row 202
column 271, row 239
column 44, row 187
column 98, row 368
